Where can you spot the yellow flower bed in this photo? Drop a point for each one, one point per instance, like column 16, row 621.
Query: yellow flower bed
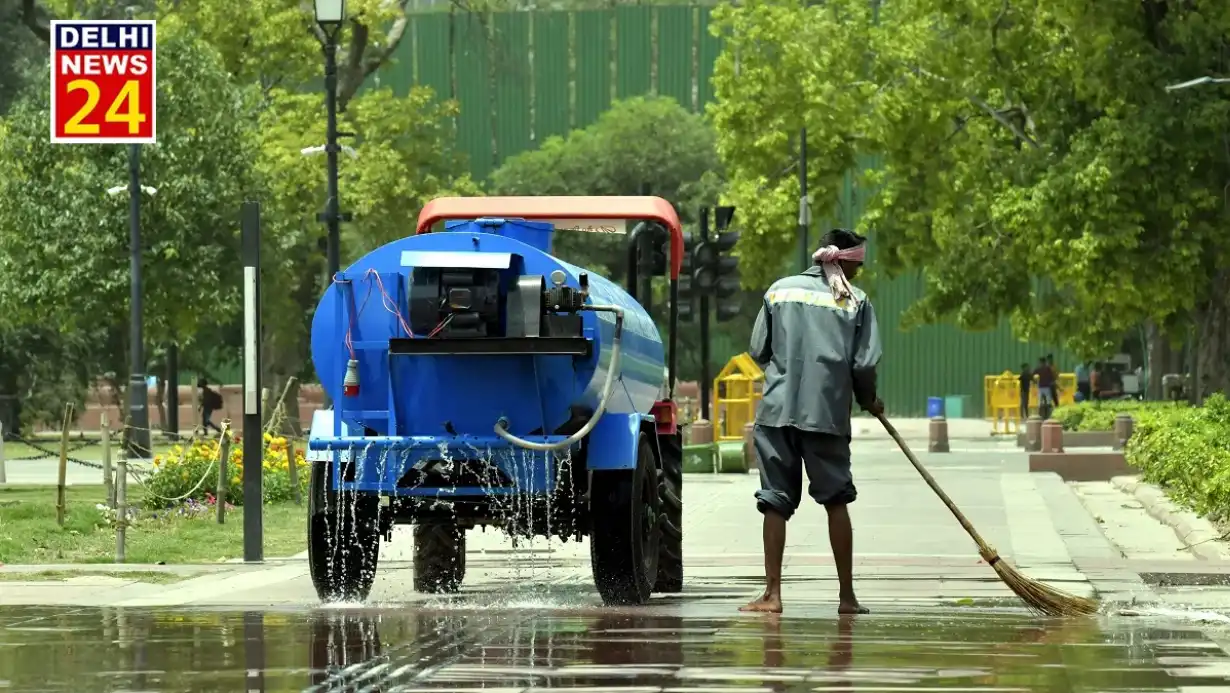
column 178, row 472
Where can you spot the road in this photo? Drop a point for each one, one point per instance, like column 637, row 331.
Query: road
column 529, row 618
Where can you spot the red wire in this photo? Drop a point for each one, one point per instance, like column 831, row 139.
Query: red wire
column 388, row 303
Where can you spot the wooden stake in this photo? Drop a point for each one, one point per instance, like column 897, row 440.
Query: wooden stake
column 224, row 458
column 61, row 502
column 293, row 470
column 3, row 475
column 121, row 508
column 108, row 472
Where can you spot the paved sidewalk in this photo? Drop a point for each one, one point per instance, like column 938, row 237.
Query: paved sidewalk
column 908, row 547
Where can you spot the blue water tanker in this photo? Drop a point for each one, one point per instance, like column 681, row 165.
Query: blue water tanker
column 478, row 380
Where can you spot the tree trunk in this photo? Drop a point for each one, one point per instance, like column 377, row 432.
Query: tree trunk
column 1157, row 347
column 1213, row 356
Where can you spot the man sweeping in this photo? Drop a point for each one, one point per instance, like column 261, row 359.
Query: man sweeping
column 817, row 340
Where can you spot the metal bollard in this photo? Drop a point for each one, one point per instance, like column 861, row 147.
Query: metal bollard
column 749, row 447
column 1033, row 434
column 938, row 435
column 1123, row 430
column 1052, row 436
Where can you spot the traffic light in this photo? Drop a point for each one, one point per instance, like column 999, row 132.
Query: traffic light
column 725, row 268
column 686, row 294
column 656, row 248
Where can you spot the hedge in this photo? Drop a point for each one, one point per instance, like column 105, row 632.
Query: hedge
column 1100, row 416
column 1186, row 451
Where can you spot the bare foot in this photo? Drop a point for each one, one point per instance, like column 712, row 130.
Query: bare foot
column 765, row 604
column 851, row 607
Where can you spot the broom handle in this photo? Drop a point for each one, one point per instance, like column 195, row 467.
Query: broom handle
column 935, row 486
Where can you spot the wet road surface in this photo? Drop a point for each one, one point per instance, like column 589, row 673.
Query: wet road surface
column 648, row 650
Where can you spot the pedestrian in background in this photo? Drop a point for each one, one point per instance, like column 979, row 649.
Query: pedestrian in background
column 1027, row 378
column 1046, row 387
column 211, row 401
column 1083, row 386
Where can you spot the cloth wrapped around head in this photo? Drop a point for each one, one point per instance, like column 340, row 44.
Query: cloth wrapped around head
column 829, row 258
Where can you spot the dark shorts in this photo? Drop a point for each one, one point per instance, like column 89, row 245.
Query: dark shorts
column 784, row 453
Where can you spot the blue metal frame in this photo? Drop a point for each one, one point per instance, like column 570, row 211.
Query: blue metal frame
column 530, row 471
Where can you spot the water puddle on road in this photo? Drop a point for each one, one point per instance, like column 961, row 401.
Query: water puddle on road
column 644, row 650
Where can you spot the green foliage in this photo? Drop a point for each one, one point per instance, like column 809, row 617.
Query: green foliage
column 64, row 240
column 45, row 369
column 645, row 143
column 1029, row 158
column 1100, row 416
column 1187, row 451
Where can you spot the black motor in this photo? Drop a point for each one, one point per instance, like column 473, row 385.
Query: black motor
column 458, row 302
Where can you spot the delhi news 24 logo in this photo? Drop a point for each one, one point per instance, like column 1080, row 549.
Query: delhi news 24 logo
column 102, row 81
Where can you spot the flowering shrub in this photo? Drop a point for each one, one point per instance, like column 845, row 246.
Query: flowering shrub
column 179, row 471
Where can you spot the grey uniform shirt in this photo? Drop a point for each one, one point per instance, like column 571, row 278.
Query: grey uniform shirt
column 817, row 353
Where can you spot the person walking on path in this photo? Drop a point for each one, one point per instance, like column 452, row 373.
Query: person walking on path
column 1027, row 379
column 817, row 340
column 211, row 401
column 1083, row 386
column 1046, row 388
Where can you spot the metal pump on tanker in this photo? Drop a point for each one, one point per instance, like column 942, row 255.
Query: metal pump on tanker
column 478, row 380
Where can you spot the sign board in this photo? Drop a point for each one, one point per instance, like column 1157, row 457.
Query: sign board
column 102, row 81
column 590, row 225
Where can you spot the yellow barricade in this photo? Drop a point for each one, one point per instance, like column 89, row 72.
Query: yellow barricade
column 1003, row 399
column 737, row 391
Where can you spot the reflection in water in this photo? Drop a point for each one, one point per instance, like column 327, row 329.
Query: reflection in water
column 637, row 649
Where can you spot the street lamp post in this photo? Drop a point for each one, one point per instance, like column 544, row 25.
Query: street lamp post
column 329, row 17
column 138, row 438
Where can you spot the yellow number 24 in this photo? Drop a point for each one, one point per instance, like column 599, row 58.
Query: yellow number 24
column 129, row 99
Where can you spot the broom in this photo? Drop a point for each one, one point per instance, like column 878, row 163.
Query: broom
column 1039, row 597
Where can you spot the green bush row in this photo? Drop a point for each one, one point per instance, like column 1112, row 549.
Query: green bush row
column 1186, row 450
column 1100, row 416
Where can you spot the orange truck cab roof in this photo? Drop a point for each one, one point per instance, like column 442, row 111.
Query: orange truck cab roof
column 594, row 214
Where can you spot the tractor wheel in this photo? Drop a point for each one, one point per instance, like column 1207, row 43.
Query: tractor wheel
column 439, row 558
column 343, row 539
column 670, row 494
column 624, row 534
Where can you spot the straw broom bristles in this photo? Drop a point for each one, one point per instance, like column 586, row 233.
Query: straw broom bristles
column 1038, row 596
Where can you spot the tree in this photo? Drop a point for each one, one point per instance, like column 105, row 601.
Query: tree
column 272, row 42
column 1031, row 162
column 64, row 240
column 645, row 143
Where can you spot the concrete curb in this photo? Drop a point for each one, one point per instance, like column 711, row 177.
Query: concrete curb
column 1194, row 531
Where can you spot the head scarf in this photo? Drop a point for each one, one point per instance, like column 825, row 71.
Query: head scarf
column 829, row 257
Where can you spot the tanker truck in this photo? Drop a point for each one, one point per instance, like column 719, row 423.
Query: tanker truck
column 477, row 380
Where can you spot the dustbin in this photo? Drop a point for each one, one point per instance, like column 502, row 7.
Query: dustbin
column 935, row 407
column 954, row 405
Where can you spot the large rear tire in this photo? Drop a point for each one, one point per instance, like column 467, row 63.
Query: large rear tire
column 624, row 535
column 343, row 539
column 439, row 558
column 670, row 494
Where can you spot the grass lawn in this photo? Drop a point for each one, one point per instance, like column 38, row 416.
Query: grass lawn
column 149, row 576
column 29, row 533
column 50, row 447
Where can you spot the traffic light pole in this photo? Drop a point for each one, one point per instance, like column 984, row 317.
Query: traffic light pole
column 704, row 328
